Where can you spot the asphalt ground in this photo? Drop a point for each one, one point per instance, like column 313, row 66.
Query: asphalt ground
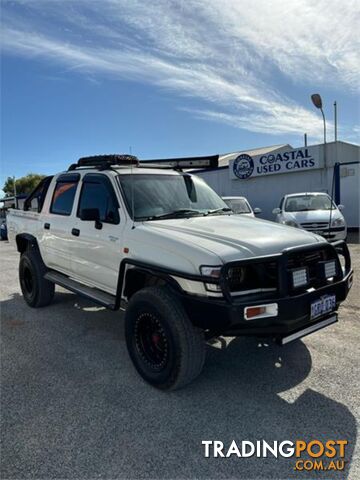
column 72, row 405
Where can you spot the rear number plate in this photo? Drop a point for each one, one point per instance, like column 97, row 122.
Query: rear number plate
column 322, row 306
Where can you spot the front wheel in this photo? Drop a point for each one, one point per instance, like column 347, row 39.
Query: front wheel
column 166, row 349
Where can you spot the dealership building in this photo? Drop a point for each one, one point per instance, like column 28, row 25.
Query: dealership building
column 265, row 175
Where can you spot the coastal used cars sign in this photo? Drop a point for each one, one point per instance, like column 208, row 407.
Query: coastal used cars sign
column 244, row 166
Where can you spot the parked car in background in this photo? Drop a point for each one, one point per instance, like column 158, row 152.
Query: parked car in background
column 3, row 229
column 315, row 212
column 241, row 206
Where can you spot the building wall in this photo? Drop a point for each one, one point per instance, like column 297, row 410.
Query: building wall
column 266, row 191
column 350, row 193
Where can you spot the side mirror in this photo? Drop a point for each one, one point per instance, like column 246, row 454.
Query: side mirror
column 257, row 210
column 276, row 211
column 91, row 215
column 341, row 207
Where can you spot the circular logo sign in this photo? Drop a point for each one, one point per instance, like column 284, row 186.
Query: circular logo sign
column 243, row 166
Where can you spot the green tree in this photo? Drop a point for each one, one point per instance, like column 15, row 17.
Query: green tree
column 23, row 185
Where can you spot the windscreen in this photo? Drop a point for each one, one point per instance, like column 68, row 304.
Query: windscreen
column 159, row 195
column 305, row 203
column 238, row 205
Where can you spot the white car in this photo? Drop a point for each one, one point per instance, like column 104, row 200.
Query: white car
column 157, row 242
column 314, row 212
column 241, row 206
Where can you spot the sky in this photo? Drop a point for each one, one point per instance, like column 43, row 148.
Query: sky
column 171, row 78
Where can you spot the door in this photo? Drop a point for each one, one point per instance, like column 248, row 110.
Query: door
column 97, row 246
column 57, row 223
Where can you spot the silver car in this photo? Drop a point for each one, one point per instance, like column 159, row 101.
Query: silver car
column 315, row 212
column 241, row 206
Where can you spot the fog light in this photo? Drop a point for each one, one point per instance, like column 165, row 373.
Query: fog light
column 261, row 311
column 330, row 269
column 300, row 277
column 251, row 312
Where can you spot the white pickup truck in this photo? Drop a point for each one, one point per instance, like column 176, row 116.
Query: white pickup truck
column 156, row 241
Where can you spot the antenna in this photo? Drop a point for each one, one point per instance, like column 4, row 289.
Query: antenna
column 132, row 192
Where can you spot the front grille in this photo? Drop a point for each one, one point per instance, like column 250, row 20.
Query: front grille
column 306, row 259
column 262, row 276
column 315, row 226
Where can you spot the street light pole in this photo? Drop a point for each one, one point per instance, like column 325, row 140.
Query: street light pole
column 322, row 112
column 316, row 99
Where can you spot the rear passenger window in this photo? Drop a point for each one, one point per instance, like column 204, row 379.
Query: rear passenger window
column 97, row 192
column 63, row 197
column 35, row 200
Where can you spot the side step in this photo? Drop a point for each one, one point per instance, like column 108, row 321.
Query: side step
column 97, row 296
column 307, row 330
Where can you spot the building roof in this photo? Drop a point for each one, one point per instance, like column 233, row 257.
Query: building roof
column 227, row 157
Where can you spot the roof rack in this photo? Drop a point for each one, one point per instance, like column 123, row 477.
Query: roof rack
column 104, row 162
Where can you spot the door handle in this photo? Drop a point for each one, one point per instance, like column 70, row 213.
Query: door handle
column 75, row 232
column 47, row 226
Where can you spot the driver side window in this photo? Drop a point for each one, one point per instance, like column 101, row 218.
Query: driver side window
column 97, row 192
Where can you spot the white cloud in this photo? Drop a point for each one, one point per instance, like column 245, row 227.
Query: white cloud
column 232, row 55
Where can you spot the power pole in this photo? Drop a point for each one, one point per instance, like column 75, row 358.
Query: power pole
column 14, row 180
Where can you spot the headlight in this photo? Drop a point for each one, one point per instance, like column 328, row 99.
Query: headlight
column 213, row 272
column 338, row 222
column 237, row 275
column 290, row 223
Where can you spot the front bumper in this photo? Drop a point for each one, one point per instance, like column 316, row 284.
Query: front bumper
column 306, row 330
column 226, row 316
column 332, row 235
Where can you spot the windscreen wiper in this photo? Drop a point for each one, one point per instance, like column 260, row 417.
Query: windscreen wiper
column 219, row 210
column 176, row 213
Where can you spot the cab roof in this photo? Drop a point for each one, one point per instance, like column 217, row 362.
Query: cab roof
column 127, row 171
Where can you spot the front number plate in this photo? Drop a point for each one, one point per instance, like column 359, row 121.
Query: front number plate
column 322, row 306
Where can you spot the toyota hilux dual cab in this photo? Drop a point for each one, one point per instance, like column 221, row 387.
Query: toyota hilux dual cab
column 156, row 241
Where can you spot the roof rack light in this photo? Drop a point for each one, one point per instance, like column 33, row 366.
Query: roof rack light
column 186, row 162
column 105, row 161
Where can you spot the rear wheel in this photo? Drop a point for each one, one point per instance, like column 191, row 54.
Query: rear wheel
column 36, row 291
column 166, row 349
